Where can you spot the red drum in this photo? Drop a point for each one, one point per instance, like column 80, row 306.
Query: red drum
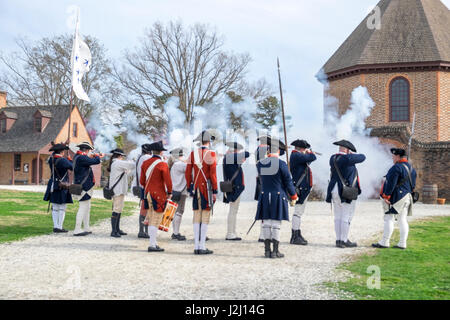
column 169, row 213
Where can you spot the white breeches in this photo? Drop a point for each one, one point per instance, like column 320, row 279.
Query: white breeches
column 232, row 218
column 83, row 215
column 297, row 217
column 402, row 223
column 271, row 229
column 343, row 215
column 58, row 214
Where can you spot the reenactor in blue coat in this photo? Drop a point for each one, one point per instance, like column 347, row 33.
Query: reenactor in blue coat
column 302, row 178
column 343, row 164
column 232, row 171
column 56, row 193
column 277, row 192
column 397, row 198
column 260, row 153
column 83, row 175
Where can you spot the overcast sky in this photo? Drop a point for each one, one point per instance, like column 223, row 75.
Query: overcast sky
column 303, row 33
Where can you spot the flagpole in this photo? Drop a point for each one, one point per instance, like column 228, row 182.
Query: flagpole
column 70, row 115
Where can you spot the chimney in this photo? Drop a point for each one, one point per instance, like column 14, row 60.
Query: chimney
column 2, row 99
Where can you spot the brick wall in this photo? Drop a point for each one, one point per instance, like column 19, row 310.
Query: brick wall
column 444, row 106
column 424, row 99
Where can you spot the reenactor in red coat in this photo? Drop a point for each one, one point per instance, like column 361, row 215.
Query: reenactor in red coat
column 155, row 176
column 201, row 180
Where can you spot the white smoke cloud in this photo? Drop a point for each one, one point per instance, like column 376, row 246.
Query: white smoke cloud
column 350, row 126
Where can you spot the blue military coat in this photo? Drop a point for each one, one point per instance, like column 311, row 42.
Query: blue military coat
column 398, row 175
column 277, row 190
column 260, row 154
column 346, row 164
column 232, row 162
column 60, row 174
column 82, row 169
column 299, row 164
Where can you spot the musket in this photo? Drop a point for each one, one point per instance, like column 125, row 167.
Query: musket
column 412, row 133
column 284, row 118
column 251, row 227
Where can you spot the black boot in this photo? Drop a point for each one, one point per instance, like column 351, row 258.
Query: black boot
column 142, row 234
column 349, row 244
column 276, row 253
column 298, row 239
column 292, row 236
column 118, row 226
column 114, row 225
column 304, row 241
column 340, row 244
column 267, row 251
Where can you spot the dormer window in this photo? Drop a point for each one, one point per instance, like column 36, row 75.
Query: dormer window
column 38, row 124
column 7, row 120
column 41, row 119
column 3, row 125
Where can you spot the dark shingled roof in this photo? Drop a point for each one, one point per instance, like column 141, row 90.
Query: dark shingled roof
column 45, row 113
column 22, row 137
column 9, row 114
column 412, row 31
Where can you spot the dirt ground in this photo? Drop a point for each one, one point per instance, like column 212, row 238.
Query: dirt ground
column 101, row 267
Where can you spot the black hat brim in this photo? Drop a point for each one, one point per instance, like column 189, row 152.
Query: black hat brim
column 301, row 144
column 346, row 144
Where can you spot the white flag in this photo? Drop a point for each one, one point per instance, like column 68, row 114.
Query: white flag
column 81, row 64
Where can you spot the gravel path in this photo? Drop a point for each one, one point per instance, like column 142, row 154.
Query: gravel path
column 100, row 267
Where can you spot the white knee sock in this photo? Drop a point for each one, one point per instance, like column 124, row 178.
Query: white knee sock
column 297, row 218
column 203, row 231
column 62, row 215
column 337, row 227
column 345, row 227
column 80, row 216
column 388, row 230
column 404, row 230
column 152, row 232
column 196, row 236
column 176, row 223
column 267, row 229
column 55, row 216
column 261, row 231
column 86, row 216
column 276, row 227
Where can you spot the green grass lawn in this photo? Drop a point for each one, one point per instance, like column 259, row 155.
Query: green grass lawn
column 421, row 272
column 24, row 214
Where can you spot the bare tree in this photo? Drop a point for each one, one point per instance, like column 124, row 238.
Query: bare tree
column 188, row 63
column 40, row 73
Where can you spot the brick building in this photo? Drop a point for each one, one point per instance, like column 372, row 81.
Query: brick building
column 26, row 134
column 405, row 65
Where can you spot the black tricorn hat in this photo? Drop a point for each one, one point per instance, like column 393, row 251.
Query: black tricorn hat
column 118, row 152
column 234, row 145
column 157, row 146
column 398, row 152
column 264, row 139
column 301, row 144
column 272, row 142
column 146, row 148
column 205, row 136
column 177, row 152
column 58, row 147
column 85, row 145
column 346, row 144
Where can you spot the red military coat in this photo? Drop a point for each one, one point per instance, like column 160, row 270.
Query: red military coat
column 194, row 176
column 160, row 184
